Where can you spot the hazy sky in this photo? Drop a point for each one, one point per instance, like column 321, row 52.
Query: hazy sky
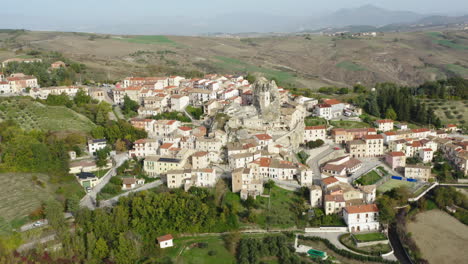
column 149, row 8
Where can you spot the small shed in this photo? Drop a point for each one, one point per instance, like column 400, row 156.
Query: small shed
column 165, row 241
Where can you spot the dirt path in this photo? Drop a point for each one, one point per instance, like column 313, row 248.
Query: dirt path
column 441, row 237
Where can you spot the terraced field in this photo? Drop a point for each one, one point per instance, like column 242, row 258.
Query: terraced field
column 34, row 115
column 22, row 193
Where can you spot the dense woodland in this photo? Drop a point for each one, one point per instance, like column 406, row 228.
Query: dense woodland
column 127, row 232
column 394, row 102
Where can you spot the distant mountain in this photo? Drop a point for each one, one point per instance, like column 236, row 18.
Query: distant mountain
column 369, row 15
column 442, row 20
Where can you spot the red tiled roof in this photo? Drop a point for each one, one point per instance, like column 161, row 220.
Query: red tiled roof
column 329, row 180
column 315, row 127
column 263, row 137
column 391, row 133
column 419, row 130
column 185, row 128
column 366, row 208
column 323, row 105
column 396, row 154
column 372, row 137
column 165, row 238
column 332, row 101
column 382, row 121
column 166, row 145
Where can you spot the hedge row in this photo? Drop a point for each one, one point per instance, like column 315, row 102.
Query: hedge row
column 348, row 254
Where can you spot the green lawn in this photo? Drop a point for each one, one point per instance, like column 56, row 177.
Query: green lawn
column 155, row 39
column 235, row 65
column 391, row 184
column 369, row 178
column 350, row 66
column 280, row 213
column 34, row 115
column 349, row 124
column 378, row 249
column 370, row 237
column 314, row 121
column 186, row 251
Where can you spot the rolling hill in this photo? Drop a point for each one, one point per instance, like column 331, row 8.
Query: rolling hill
column 305, row 60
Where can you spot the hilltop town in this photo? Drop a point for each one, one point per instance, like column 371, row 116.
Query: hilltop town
column 253, row 135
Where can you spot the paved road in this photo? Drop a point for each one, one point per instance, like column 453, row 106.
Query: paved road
column 333, row 237
column 32, row 244
column 89, row 200
column 115, row 199
column 313, row 162
column 44, row 222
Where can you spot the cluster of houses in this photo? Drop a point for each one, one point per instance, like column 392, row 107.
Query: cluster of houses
column 16, row 83
column 356, row 205
column 161, row 94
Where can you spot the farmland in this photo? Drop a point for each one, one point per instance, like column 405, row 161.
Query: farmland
column 450, row 111
column 441, row 237
column 34, row 115
column 314, row 62
column 349, row 124
column 25, row 193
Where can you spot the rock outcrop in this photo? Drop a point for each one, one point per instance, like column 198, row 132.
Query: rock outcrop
column 266, row 99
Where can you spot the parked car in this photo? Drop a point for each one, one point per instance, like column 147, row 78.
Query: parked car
column 336, row 148
column 88, row 189
column 38, row 223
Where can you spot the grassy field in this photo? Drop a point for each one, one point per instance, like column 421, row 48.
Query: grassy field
column 235, row 65
column 25, row 192
column 441, row 237
column 279, row 214
column 349, row 242
column 21, row 195
column 349, row 124
column 369, row 178
column 350, row 66
column 186, row 251
column 318, row 245
column 370, row 237
column 33, row 115
column 458, row 69
column 314, row 121
column 440, row 39
column 450, row 111
column 392, row 184
column 148, row 40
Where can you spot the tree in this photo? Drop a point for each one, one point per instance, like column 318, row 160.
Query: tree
column 101, row 250
column 126, row 252
column 81, row 98
column 315, row 144
column 386, row 209
column 101, row 157
column 120, row 145
column 129, row 106
column 251, row 78
column 73, row 204
column 391, row 114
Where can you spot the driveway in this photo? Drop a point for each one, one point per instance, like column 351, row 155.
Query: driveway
column 115, row 199
column 89, row 200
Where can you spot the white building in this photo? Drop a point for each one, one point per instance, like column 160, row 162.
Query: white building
column 362, row 217
column 324, row 111
column 384, row 125
column 179, row 102
column 95, row 145
column 144, row 147
column 5, row 87
column 426, row 155
column 316, row 196
column 165, row 241
column 312, row 133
